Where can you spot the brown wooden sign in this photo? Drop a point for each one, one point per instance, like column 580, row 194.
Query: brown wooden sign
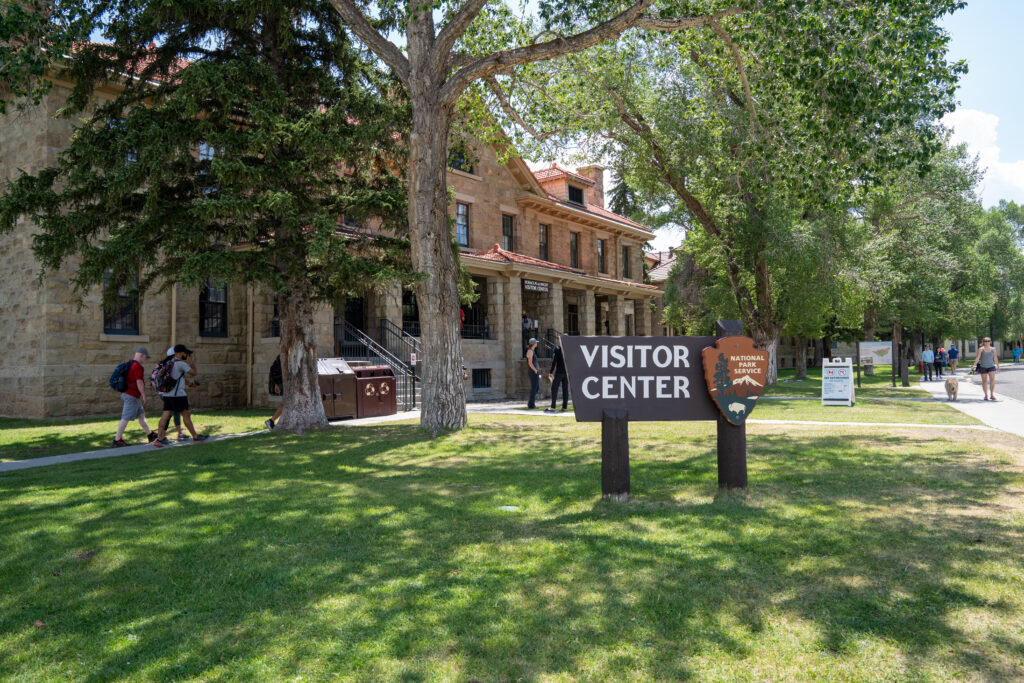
column 650, row 378
column 735, row 373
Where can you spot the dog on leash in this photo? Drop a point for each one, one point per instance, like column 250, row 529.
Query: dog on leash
column 952, row 387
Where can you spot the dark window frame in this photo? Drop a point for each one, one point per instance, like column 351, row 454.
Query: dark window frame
column 602, row 261
column 508, row 232
column 213, row 313
column 574, row 250
column 574, row 190
column 572, row 319
column 543, row 238
column 125, row 318
column 625, row 262
column 463, row 241
column 481, row 378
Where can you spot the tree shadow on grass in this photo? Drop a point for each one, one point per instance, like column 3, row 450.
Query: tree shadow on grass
column 377, row 553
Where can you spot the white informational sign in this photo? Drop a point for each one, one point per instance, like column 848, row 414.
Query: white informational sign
column 837, row 382
column 876, row 353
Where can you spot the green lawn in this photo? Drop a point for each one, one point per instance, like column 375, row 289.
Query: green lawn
column 21, row 439
column 864, row 410
column 374, row 553
column 872, row 386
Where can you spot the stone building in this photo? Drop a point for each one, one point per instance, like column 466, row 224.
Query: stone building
column 541, row 243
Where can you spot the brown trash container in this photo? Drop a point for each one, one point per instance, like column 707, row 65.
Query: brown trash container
column 337, row 387
column 376, row 391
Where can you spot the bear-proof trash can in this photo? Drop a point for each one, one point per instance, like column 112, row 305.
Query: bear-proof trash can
column 337, row 387
column 375, row 391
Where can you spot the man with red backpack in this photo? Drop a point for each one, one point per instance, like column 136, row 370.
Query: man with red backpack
column 133, row 396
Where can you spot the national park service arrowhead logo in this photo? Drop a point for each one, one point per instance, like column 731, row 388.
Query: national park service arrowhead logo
column 735, row 372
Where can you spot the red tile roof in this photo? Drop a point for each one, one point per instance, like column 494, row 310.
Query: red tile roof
column 546, row 175
column 496, row 253
column 499, row 255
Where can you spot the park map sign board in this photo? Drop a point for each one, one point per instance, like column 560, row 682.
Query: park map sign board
column 617, row 380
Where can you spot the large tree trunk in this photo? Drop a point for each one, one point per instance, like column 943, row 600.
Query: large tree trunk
column 302, row 405
column 801, row 357
column 901, row 358
column 444, row 394
column 869, row 335
column 819, row 353
column 768, row 339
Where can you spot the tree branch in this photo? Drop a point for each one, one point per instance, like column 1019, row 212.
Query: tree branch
column 495, row 87
column 738, row 58
column 455, row 27
column 613, row 28
column 381, row 46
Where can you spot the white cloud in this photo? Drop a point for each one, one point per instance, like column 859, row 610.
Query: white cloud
column 978, row 129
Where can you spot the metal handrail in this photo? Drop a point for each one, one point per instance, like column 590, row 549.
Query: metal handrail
column 405, row 377
column 398, row 341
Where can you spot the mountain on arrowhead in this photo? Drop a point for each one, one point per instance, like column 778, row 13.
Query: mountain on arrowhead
column 747, row 379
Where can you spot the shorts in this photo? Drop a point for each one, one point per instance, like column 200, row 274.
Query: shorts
column 131, row 407
column 175, row 404
column 982, row 371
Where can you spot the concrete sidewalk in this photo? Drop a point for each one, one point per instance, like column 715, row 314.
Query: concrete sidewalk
column 1005, row 414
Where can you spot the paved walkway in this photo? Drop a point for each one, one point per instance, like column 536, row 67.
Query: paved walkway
column 1006, row 414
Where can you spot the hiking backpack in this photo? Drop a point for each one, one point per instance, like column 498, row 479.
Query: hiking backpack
column 161, row 378
column 119, row 378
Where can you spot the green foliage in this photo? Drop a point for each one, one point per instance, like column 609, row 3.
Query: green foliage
column 240, row 135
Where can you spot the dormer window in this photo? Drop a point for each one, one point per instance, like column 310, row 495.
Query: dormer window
column 576, row 195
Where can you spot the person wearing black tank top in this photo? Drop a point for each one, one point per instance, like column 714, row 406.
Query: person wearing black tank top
column 986, row 364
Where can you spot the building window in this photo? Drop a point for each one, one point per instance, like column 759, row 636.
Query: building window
column 572, row 319
column 507, row 231
column 123, row 317
column 543, row 242
column 462, row 224
column 206, row 154
column 410, row 313
column 275, row 320
column 576, row 195
column 629, row 324
column 213, row 309
column 574, row 249
column 625, row 262
column 353, row 223
column 600, row 257
column 481, row 378
column 460, row 161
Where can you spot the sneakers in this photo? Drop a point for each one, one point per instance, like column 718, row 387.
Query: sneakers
column 160, row 443
column 549, row 410
column 118, row 443
column 200, row 437
column 151, row 436
column 269, row 424
column 183, row 437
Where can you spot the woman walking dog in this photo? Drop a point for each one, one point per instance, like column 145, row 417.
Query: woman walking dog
column 986, row 364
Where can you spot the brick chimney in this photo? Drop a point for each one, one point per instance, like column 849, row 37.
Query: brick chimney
column 596, row 174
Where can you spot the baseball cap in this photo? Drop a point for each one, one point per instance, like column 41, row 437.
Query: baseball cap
column 143, row 351
column 533, row 340
column 181, row 348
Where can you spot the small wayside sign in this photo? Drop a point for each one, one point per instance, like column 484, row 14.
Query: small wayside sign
column 735, row 373
column 837, row 382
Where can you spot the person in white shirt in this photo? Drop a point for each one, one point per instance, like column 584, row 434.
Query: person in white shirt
column 175, row 399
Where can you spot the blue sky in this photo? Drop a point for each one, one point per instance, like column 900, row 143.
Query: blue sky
column 991, row 99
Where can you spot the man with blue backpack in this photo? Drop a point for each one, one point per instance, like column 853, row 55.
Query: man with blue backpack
column 127, row 379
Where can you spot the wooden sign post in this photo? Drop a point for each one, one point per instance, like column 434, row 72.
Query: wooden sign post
column 618, row 380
